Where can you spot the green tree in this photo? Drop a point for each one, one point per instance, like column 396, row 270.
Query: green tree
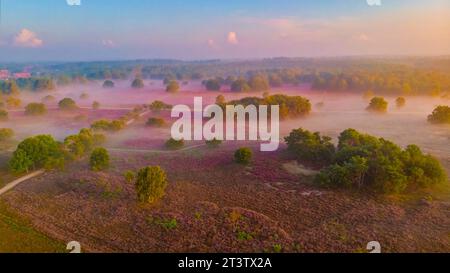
column 129, row 176
column 35, row 109
column 400, row 102
column 108, row 84
column 6, row 134
column 156, row 122
column 137, row 83
column 173, row 87
column 67, row 104
column 212, row 85
column 240, row 85
column 378, row 104
column 259, row 83
column 99, row 159
column 3, row 115
column 243, row 156
column 312, row 147
column 151, row 184
column 441, row 114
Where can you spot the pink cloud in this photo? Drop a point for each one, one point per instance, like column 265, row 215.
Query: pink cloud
column 27, row 38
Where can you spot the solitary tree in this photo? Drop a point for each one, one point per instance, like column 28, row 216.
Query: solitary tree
column 441, row 114
column 378, row 104
column 67, row 104
column 150, row 184
column 243, row 156
column 137, row 83
column 173, row 87
column 108, row 84
column 99, row 159
column 35, row 109
column 400, row 101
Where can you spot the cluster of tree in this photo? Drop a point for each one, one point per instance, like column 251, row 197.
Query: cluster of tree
column 77, row 146
column 378, row 104
column 108, row 126
column 440, row 115
column 43, row 151
column 290, row 106
column 158, row 106
column 213, row 84
column 35, row 109
column 13, row 87
column 364, row 161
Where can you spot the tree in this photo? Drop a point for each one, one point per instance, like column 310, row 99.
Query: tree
column 151, row 184
column 258, row 83
column 96, row 105
column 108, row 84
column 401, row 102
column 212, row 85
column 39, row 151
column 35, row 109
column 12, row 102
column 67, row 104
column 6, row 134
column 240, row 85
column 156, row 122
column 173, row 144
column 137, row 83
column 129, row 176
column 440, row 115
column 312, row 147
column 48, row 99
column 3, row 115
column 158, row 106
column 378, row 104
column 243, row 156
column 220, row 100
column 84, row 96
column 173, row 87
column 99, row 159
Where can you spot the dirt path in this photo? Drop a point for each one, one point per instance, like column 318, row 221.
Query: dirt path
column 154, row 150
column 18, row 181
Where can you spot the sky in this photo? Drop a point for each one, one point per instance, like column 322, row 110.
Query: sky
column 52, row 30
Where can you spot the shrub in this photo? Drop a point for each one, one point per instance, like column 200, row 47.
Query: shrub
column 156, row 122
column 12, row 102
column 312, row 147
column 35, row 109
column 3, row 115
column 129, row 176
column 173, row 144
column 173, row 87
column 67, row 104
column 108, row 84
column 441, row 114
column 82, row 143
column 214, row 143
column 378, row 104
column 158, row 106
column 243, row 156
column 6, row 134
column 99, row 159
column 400, row 102
column 151, row 184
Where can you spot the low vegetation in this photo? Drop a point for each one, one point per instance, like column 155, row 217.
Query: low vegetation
column 156, row 122
column 243, row 156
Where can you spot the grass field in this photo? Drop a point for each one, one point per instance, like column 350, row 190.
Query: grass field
column 17, row 235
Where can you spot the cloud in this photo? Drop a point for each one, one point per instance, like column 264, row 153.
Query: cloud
column 232, row 38
column 27, row 38
column 108, row 43
column 362, row 37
